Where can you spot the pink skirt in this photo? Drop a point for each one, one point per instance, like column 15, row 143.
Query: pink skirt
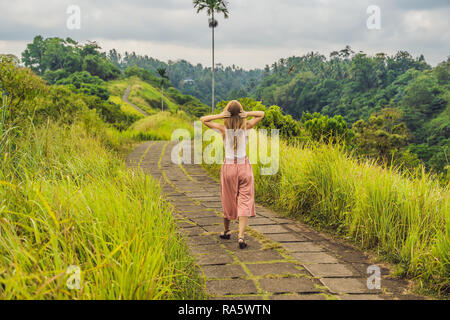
column 237, row 189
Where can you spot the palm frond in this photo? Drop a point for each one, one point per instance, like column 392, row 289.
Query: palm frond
column 217, row 6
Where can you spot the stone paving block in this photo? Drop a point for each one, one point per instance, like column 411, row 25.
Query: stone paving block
column 280, row 268
column 285, row 237
column 314, row 257
column 275, row 228
column 201, row 240
column 191, row 231
column 251, row 297
column 361, row 297
column 298, row 297
column 213, row 258
column 223, row 271
column 233, row 286
column 188, row 208
column 281, row 220
column 260, row 255
column 347, row 285
column 181, row 203
column 330, row 270
column 214, row 228
column 212, row 204
column 206, row 198
column 198, row 214
column 186, row 224
column 175, row 197
column 266, row 214
column 287, row 285
column 198, row 193
column 257, row 221
column 208, row 221
column 302, row 247
column 207, row 248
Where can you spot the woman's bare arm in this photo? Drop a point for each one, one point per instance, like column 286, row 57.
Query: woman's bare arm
column 208, row 121
column 257, row 117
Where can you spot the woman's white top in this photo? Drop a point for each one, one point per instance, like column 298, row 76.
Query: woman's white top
column 241, row 144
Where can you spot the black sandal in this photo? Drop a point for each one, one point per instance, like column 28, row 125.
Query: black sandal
column 225, row 235
column 242, row 244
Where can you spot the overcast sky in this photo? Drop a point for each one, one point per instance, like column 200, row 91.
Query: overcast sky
column 257, row 33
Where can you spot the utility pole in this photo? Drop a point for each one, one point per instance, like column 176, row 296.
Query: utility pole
column 212, row 98
column 162, row 96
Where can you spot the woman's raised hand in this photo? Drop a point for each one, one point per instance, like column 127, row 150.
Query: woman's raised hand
column 243, row 114
column 225, row 114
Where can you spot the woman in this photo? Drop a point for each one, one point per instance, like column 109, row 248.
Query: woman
column 236, row 175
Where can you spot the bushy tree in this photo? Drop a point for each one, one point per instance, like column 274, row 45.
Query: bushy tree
column 98, row 66
column 421, row 101
column 19, row 88
column 384, row 136
column 56, row 58
column 85, row 83
column 275, row 119
column 324, row 128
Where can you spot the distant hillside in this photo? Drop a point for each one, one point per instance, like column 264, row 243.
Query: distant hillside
column 148, row 98
column 231, row 82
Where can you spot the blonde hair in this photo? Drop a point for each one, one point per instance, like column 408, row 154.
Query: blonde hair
column 235, row 121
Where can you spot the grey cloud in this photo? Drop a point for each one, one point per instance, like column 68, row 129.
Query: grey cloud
column 300, row 25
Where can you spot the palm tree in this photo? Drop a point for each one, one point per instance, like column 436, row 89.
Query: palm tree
column 162, row 73
column 212, row 7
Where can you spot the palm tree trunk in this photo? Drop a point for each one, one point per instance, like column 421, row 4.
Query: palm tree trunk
column 212, row 96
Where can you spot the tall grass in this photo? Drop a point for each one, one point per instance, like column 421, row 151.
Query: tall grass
column 66, row 199
column 403, row 217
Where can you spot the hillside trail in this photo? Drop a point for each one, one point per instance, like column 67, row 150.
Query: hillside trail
column 126, row 98
column 284, row 259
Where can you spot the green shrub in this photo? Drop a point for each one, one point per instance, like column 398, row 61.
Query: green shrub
column 84, row 83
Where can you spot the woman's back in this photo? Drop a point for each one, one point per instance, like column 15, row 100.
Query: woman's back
column 235, row 143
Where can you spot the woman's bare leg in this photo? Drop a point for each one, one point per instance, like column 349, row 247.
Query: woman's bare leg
column 226, row 225
column 242, row 225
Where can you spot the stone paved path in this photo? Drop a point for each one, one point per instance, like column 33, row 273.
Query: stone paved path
column 126, row 98
column 284, row 259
